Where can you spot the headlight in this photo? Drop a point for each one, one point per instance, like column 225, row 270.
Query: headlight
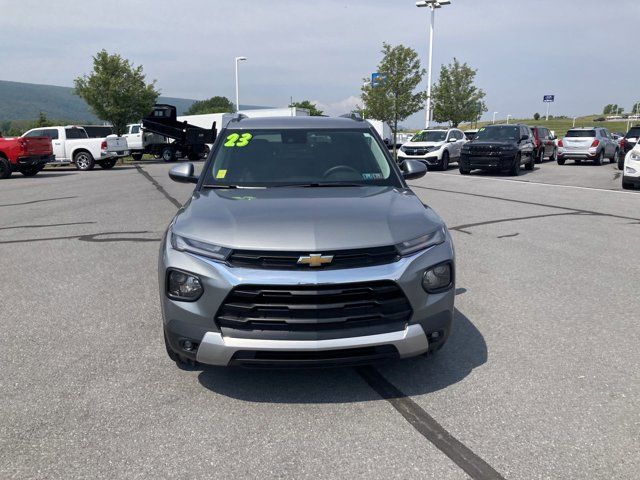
column 402, row 148
column 183, row 286
column 630, row 170
column 184, row 244
column 422, row 243
column 437, row 278
column 634, row 156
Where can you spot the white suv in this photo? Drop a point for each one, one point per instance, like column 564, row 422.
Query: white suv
column 436, row 147
column 631, row 172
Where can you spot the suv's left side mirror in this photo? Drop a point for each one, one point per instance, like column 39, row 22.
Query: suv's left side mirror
column 413, row 169
column 183, row 173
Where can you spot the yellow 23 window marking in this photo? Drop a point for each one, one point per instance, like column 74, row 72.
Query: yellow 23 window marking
column 238, row 140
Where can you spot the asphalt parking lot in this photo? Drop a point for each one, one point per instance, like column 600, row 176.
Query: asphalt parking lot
column 538, row 381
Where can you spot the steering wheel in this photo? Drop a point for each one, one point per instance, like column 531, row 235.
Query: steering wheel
column 338, row 168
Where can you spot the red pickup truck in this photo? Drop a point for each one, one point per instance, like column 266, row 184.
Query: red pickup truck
column 25, row 155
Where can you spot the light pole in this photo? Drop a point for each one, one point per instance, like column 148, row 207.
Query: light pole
column 238, row 60
column 494, row 117
column 574, row 121
column 508, row 117
column 432, row 4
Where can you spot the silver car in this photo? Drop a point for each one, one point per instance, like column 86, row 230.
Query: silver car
column 303, row 245
column 591, row 143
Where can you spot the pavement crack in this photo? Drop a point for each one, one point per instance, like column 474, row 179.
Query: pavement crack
column 509, row 236
column 48, row 225
column 92, row 237
column 428, row 427
column 159, row 187
column 36, row 201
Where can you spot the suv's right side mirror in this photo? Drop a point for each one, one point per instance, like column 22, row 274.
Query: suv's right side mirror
column 183, row 173
column 413, row 169
column 524, row 137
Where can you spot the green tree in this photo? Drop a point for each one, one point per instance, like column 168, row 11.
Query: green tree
column 635, row 110
column 42, row 121
column 116, row 91
column 536, row 116
column 306, row 104
column 394, row 98
column 455, row 96
column 212, row 105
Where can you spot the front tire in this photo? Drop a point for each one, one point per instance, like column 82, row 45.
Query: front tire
column 540, row 156
column 84, row 161
column 615, row 158
column 464, row 171
column 560, row 161
column 515, row 168
column 5, row 168
column 532, row 162
column 136, row 156
column 444, row 165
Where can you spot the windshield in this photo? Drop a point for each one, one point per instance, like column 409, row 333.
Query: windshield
column 270, row 158
column 430, row 136
column 633, row 133
column 581, row 133
column 498, row 133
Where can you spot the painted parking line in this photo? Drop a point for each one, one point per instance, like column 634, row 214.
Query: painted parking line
column 527, row 182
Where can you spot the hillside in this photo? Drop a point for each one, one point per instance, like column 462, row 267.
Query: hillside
column 24, row 101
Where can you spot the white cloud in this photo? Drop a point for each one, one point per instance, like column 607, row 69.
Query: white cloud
column 339, row 107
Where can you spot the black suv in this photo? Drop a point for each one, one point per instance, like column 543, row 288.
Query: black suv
column 499, row 147
column 627, row 143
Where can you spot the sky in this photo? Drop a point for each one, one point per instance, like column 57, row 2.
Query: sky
column 582, row 51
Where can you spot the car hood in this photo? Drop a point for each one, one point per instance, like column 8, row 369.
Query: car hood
column 423, row 144
column 488, row 143
column 305, row 219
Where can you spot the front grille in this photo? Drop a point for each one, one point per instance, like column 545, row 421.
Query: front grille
column 313, row 312
column 356, row 258
column 417, row 151
column 487, row 151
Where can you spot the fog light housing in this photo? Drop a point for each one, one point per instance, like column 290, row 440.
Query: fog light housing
column 183, row 286
column 629, row 170
column 438, row 278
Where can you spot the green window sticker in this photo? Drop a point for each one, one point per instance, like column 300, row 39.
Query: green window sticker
column 237, row 140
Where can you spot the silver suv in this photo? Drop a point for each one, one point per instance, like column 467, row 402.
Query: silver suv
column 437, row 147
column 303, row 245
column 591, row 143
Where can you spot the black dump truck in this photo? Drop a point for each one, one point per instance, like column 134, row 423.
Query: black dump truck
column 188, row 140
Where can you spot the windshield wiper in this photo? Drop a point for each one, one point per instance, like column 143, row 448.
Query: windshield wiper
column 319, row 184
column 220, row 186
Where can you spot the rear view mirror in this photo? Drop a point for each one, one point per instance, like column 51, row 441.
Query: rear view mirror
column 413, row 169
column 183, row 173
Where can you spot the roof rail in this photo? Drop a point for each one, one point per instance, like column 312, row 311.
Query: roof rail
column 353, row 116
column 238, row 117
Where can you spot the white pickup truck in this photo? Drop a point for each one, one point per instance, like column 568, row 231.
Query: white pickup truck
column 71, row 144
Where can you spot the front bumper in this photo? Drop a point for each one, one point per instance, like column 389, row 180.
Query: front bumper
column 431, row 317
column 432, row 160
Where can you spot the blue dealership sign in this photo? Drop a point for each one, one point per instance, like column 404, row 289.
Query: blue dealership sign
column 548, row 98
column 376, row 79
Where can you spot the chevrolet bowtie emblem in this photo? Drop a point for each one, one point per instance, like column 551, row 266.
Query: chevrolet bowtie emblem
column 315, row 260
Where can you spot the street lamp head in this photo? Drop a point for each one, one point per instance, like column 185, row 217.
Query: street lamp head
column 241, row 59
column 433, row 3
